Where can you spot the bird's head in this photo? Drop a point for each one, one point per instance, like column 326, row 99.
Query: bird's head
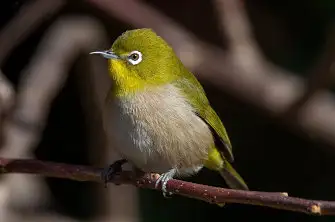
column 139, row 59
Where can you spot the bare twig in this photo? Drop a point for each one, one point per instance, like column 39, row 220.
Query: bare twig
column 236, row 27
column 197, row 191
column 6, row 95
column 27, row 20
column 45, row 76
column 41, row 82
column 6, row 101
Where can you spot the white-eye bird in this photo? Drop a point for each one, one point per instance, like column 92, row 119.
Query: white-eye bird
column 161, row 114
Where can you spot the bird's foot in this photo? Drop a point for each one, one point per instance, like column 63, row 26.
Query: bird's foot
column 109, row 172
column 163, row 179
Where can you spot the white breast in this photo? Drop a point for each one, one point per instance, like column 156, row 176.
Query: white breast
column 158, row 130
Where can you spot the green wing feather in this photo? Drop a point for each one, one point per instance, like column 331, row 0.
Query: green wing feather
column 194, row 92
column 197, row 98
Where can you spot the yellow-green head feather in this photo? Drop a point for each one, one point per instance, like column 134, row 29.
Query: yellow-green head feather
column 159, row 63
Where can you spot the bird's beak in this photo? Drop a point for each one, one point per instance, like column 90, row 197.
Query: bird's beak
column 106, row 54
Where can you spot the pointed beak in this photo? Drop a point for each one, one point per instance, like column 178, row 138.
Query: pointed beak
column 106, row 54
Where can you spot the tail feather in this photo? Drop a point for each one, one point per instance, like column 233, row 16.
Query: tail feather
column 232, row 178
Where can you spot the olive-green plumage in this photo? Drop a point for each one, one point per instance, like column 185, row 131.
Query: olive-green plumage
column 161, row 114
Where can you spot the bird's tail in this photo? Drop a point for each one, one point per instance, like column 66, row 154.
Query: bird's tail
column 232, row 178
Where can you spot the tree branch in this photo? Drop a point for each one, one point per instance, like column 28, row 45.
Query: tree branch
column 6, row 94
column 206, row 193
column 40, row 82
column 28, row 19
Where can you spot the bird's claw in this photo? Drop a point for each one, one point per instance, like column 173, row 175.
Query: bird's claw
column 109, row 172
column 163, row 179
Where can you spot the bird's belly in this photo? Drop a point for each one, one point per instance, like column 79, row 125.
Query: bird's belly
column 159, row 130
column 136, row 145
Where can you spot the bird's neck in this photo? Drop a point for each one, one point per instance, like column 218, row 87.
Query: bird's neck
column 126, row 87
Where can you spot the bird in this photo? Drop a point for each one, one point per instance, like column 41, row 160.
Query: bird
column 161, row 115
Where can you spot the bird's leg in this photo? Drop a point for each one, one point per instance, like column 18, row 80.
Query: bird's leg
column 109, row 172
column 163, row 179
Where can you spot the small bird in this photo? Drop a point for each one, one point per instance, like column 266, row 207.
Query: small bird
column 161, row 114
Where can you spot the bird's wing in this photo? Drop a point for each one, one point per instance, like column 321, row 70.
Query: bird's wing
column 196, row 96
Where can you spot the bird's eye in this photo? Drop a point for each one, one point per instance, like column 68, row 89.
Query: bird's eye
column 135, row 57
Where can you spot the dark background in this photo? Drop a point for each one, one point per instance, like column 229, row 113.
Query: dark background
column 269, row 155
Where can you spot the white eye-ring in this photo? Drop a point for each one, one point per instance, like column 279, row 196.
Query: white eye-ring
column 135, row 57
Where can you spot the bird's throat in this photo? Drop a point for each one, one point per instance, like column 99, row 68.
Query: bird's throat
column 126, row 82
